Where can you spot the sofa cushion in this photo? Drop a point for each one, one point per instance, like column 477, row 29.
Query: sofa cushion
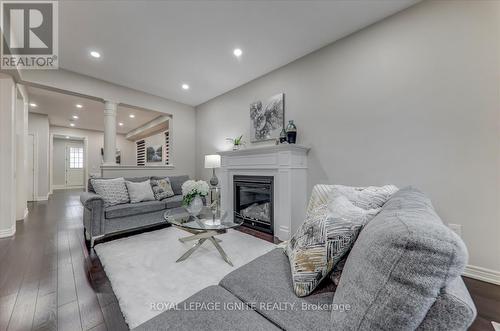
column 398, row 266
column 134, row 222
column 130, row 209
column 322, row 240
column 139, row 192
column 371, row 197
column 90, row 188
column 113, row 191
column 173, row 202
column 162, row 188
column 266, row 281
column 223, row 312
column 176, row 182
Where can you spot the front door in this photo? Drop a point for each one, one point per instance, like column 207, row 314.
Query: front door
column 74, row 165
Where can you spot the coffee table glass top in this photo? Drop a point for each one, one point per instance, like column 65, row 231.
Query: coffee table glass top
column 206, row 220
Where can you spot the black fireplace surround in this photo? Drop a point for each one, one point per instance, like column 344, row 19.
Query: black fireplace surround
column 253, row 201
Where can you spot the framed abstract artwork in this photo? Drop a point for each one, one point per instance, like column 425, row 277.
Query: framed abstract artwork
column 267, row 118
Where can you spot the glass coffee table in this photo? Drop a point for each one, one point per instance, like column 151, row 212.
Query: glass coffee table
column 203, row 227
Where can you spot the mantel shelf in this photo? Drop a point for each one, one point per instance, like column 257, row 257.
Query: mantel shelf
column 265, row 149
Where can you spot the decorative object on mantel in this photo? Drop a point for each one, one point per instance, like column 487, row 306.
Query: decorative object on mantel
column 192, row 192
column 291, row 132
column 283, row 137
column 212, row 162
column 237, row 142
column 267, row 120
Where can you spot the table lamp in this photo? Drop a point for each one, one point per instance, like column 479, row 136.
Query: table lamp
column 212, row 162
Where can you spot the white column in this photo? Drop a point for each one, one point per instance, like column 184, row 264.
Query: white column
column 7, row 156
column 109, row 133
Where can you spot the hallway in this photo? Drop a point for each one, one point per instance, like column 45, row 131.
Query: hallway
column 48, row 280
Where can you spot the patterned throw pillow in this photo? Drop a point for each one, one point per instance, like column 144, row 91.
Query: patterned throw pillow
column 322, row 241
column 162, row 188
column 112, row 191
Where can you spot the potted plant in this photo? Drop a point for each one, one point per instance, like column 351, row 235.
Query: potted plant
column 192, row 194
column 237, row 142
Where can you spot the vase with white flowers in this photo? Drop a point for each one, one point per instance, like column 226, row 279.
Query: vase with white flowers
column 193, row 192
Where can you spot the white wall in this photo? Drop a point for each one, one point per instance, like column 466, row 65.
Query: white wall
column 59, row 163
column 21, row 165
column 183, row 116
column 413, row 99
column 38, row 124
column 7, row 156
column 95, row 143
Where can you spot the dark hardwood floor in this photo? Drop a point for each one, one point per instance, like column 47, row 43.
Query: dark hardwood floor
column 49, row 280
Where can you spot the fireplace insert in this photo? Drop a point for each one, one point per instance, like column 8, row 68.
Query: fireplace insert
column 253, row 202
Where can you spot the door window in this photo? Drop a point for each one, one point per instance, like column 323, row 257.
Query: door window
column 75, row 157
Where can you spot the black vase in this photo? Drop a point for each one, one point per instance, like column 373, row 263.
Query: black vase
column 291, row 132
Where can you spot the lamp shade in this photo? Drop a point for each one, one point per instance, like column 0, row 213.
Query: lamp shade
column 212, row 161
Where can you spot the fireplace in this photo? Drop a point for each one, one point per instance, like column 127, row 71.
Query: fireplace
column 253, row 201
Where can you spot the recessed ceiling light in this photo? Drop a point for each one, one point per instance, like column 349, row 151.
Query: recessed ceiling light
column 185, row 86
column 75, row 117
column 95, row 54
column 67, row 137
column 78, row 105
column 71, row 124
column 131, row 116
column 237, row 52
column 33, row 104
column 120, row 124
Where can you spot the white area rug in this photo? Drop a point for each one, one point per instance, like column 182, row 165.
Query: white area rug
column 143, row 271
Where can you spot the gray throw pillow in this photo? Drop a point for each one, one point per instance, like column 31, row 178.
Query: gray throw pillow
column 112, row 191
column 162, row 188
column 139, row 192
column 322, row 241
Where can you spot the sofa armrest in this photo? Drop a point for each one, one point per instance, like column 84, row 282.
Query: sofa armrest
column 93, row 213
column 452, row 310
column 87, row 198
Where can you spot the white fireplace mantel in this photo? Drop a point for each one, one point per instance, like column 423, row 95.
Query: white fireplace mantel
column 287, row 163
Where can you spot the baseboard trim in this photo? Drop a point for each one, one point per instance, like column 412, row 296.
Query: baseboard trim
column 483, row 274
column 8, row 232
column 44, row 198
column 64, row 187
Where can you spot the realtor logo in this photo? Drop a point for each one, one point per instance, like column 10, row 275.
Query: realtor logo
column 30, row 34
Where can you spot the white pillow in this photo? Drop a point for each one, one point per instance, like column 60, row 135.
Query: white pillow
column 370, row 197
column 139, row 192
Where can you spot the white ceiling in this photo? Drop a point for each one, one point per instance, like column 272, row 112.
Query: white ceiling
column 155, row 46
column 61, row 107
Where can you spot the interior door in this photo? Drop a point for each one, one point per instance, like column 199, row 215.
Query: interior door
column 30, row 168
column 74, row 165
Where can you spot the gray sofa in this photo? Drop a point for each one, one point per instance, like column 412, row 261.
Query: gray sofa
column 403, row 273
column 100, row 222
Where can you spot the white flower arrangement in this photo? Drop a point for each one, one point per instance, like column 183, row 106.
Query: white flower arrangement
column 192, row 188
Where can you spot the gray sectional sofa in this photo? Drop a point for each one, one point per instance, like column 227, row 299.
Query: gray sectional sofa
column 100, row 222
column 403, row 273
